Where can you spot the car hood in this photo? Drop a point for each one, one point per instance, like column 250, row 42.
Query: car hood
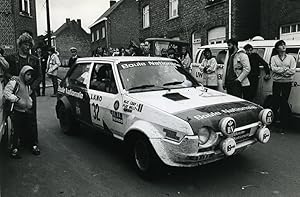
column 201, row 108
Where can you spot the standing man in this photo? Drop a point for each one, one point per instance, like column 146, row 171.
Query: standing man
column 16, row 63
column 73, row 57
column 283, row 68
column 52, row 65
column 255, row 62
column 236, row 69
column 42, row 56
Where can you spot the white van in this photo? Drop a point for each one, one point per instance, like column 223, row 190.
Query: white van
column 265, row 48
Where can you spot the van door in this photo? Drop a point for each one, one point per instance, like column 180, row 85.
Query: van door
column 295, row 91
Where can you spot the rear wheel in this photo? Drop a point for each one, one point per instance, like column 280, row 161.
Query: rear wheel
column 67, row 122
column 6, row 142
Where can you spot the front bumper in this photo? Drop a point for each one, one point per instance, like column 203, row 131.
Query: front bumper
column 188, row 153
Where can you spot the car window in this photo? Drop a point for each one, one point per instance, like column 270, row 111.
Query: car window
column 79, row 75
column 153, row 75
column 103, row 79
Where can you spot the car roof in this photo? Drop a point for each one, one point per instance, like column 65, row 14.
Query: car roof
column 117, row 59
column 258, row 43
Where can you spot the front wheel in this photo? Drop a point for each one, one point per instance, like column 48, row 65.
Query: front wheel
column 6, row 142
column 145, row 158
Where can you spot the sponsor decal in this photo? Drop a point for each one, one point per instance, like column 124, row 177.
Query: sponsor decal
column 269, row 118
column 96, row 97
column 127, row 65
column 230, row 127
column 116, row 105
column 130, row 106
column 70, row 92
column 117, row 117
column 225, row 111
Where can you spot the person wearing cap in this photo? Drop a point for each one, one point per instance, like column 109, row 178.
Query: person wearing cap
column 16, row 62
column 52, row 65
column 73, row 57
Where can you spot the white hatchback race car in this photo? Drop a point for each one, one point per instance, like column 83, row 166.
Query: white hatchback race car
column 159, row 110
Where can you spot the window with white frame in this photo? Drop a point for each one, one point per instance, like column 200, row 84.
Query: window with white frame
column 103, row 33
column 93, row 36
column 173, row 8
column 97, row 34
column 146, row 17
column 290, row 31
column 25, row 7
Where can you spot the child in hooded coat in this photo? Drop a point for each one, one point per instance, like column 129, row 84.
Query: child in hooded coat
column 18, row 91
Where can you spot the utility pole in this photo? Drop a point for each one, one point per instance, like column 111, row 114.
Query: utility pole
column 48, row 24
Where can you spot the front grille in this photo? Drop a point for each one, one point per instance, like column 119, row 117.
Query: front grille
column 241, row 136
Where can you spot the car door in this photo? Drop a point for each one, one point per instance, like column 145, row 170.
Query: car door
column 76, row 91
column 105, row 99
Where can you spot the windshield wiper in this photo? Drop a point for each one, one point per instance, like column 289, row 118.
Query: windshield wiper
column 173, row 83
column 141, row 87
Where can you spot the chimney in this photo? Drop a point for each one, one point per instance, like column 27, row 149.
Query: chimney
column 79, row 22
column 68, row 20
column 112, row 2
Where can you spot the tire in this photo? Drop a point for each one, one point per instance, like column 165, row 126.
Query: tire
column 6, row 142
column 145, row 158
column 67, row 122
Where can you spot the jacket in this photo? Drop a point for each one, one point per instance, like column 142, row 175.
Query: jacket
column 21, row 97
column 52, row 65
column 17, row 62
column 208, row 67
column 241, row 67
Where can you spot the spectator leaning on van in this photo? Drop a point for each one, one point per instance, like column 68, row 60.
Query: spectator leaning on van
column 283, row 68
column 208, row 66
column 236, row 69
column 255, row 62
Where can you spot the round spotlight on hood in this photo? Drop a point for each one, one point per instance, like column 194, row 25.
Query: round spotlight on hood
column 266, row 116
column 227, row 125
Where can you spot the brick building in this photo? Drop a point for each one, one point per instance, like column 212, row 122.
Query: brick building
column 280, row 19
column 16, row 17
column 199, row 21
column 71, row 34
column 117, row 26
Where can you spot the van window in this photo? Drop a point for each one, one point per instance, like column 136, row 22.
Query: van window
column 259, row 51
column 219, row 54
column 294, row 52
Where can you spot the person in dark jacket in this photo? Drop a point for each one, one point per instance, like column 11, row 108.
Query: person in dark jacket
column 73, row 57
column 255, row 62
column 16, row 63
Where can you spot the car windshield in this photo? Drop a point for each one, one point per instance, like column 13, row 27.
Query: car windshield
column 153, row 75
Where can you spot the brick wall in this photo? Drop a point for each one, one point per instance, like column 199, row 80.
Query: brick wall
column 275, row 13
column 123, row 24
column 195, row 15
column 12, row 23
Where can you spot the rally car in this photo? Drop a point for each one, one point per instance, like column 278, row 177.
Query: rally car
column 159, row 110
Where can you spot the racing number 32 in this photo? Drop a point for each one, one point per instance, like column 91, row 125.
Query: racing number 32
column 96, row 109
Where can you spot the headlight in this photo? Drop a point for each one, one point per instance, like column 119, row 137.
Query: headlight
column 266, row 116
column 227, row 126
column 207, row 136
column 173, row 135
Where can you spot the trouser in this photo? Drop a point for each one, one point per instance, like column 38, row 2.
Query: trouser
column 54, row 82
column 281, row 93
column 43, row 81
column 234, row 88
column 253, row 87
column 22, row 128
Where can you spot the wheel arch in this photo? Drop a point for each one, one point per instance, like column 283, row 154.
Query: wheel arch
column 63, row 101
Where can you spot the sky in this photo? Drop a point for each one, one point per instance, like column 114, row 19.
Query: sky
column 86, row 10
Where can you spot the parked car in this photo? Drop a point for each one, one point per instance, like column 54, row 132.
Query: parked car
column 159, row 110
column 265, row 48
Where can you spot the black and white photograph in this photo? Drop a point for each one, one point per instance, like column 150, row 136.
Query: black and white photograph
column 149, row 98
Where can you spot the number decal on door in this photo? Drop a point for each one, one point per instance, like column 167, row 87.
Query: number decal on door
column 96, row 109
